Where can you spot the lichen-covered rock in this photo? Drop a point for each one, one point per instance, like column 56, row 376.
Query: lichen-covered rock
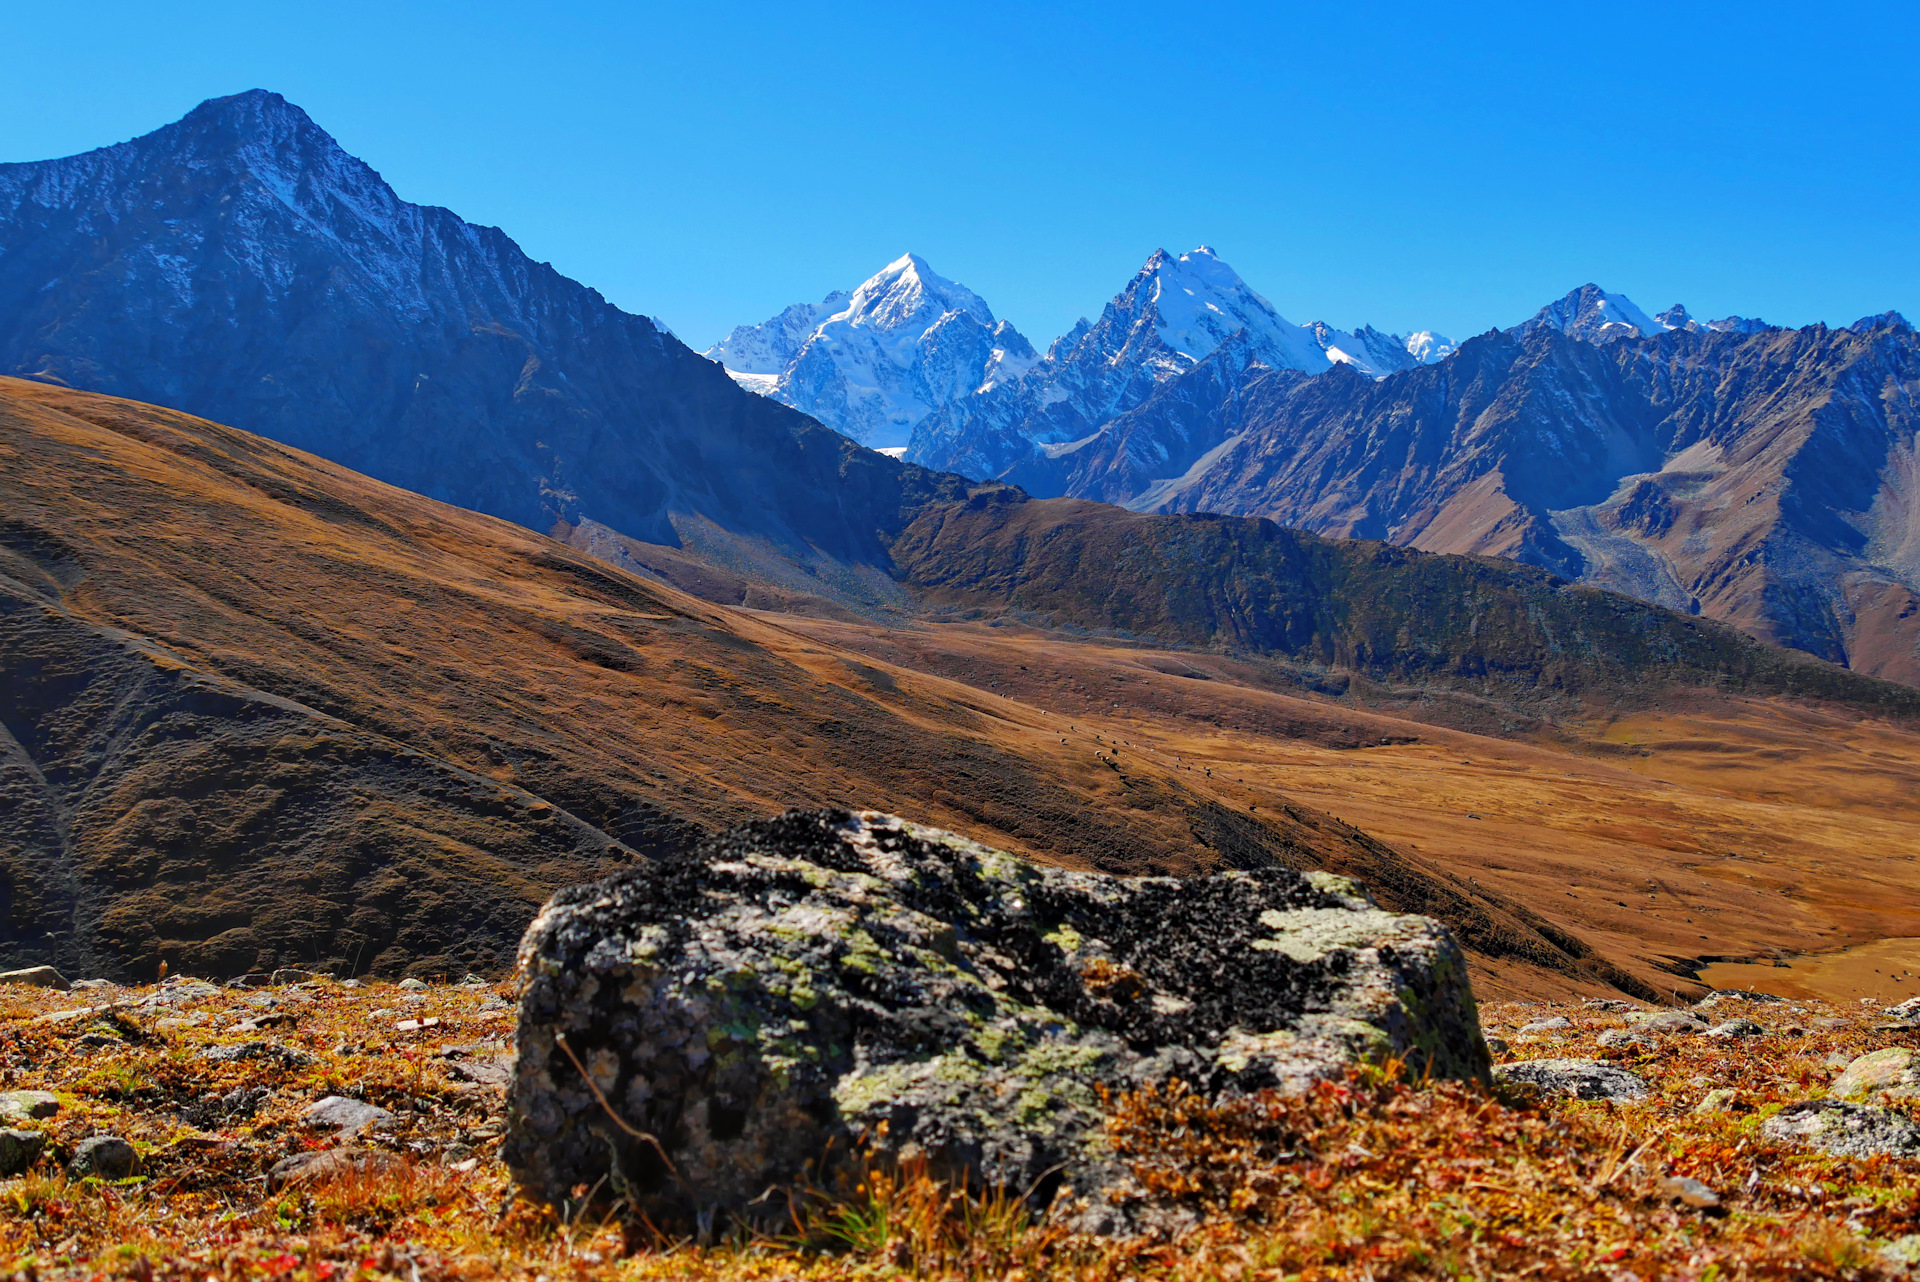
column 1892, row 1073
column 1843, row 1129
column 1580, row 1078
column 799, row 993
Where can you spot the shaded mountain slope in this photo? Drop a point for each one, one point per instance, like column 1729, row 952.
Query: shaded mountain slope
column 239, row 265
column 262, row 711
column 1248, row 584
column 1765, row 479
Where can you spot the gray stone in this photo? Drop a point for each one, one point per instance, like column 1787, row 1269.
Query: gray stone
column 19, row 1150
column 1722, row 996
column 1909, row 1009
column 36, row 976
column 1843, row 1129
column 413, row 985
column 1580, row 1078
column 1554, row 1024
column 1903, row 1250
column 180, row 993
column 1736, row 1028
column 273, row 1052
column 752, row 1009
column 27, row 1106
column 330, row 1163
column 1721, row 1099
column 94, row 986
column 345, row 1116
column 1893, row 1073
column 106, row 1157
column 1623, row 1037
column 1668, row 1021
column 1690, row 1191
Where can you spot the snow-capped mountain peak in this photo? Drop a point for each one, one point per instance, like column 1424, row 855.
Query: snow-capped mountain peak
column 873, row 361
column 1595, row 316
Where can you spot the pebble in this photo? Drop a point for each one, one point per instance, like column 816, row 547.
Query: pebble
column 1552, row 1024
column 1736, row 1028
column 37, row 977
column 1690, row 1191
column 27, row 1106
column 106, row 1157
column 19, row 1150
column 412, row 985
column 345, row 1116
column 1669, row 1021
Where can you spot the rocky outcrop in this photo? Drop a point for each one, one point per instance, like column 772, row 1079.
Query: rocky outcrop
column 707, row 1036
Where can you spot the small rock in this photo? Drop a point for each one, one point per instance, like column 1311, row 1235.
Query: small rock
column 305, row 1168
column 1893, row 1073
column 1719, row 1100
column 471, row 980
column 106, row 1157
column 37, row 977
column 1609, row 1003
column 27, row 1106
column 1721, row 996
column 346, row 1116
column 351, row 983
column 180, row 994
column 412, row 985
column 1843, row 1129
column 1553, row 1024
column 414, row 1025
column 19, row 1150
column 1690, row 1191
column 1830, row 1024
column 1498, row 1045
column 94, row 986
column 1903, row 1250
column 97, row 1039
column 1622, row 1037
column 291, row 976
column 285, row 1056
column 1580, row 1078
column 1909, row 1009
column 1669, row 1021
column 1736, row 1028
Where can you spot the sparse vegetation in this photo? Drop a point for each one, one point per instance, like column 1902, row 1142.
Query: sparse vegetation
column 1371, row 1177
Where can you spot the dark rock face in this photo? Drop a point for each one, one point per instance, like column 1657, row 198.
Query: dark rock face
column 239, row 265
column 758, row 1011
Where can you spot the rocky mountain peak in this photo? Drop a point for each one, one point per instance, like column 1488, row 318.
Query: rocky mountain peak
column 1593, row 315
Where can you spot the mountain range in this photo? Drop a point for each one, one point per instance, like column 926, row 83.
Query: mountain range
column 444, row 617
column 1758, row 475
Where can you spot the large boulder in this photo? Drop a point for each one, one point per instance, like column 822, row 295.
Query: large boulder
column 802, row 995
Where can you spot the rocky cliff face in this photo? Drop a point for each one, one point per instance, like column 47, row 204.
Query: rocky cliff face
column 1764, row 478
column 875, row 362
column 239, row 265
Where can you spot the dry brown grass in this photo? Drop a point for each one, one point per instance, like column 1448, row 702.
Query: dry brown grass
column 1371, row 1177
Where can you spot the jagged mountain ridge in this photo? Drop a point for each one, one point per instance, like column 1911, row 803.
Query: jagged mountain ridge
column 1172, row 315
column 240, row 265
column 1762, row 478
column 875, row 361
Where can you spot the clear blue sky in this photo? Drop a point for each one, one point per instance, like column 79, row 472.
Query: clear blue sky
column 1431, row 166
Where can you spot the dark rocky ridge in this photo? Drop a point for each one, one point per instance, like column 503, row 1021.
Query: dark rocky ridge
column 1759, row 476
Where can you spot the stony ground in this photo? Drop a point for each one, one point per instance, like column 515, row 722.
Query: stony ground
column 318, row 1130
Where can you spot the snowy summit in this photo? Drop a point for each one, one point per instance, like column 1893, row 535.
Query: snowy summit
column 874, row 362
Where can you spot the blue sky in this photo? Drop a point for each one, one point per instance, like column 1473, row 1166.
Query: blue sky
column 1429, row 166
